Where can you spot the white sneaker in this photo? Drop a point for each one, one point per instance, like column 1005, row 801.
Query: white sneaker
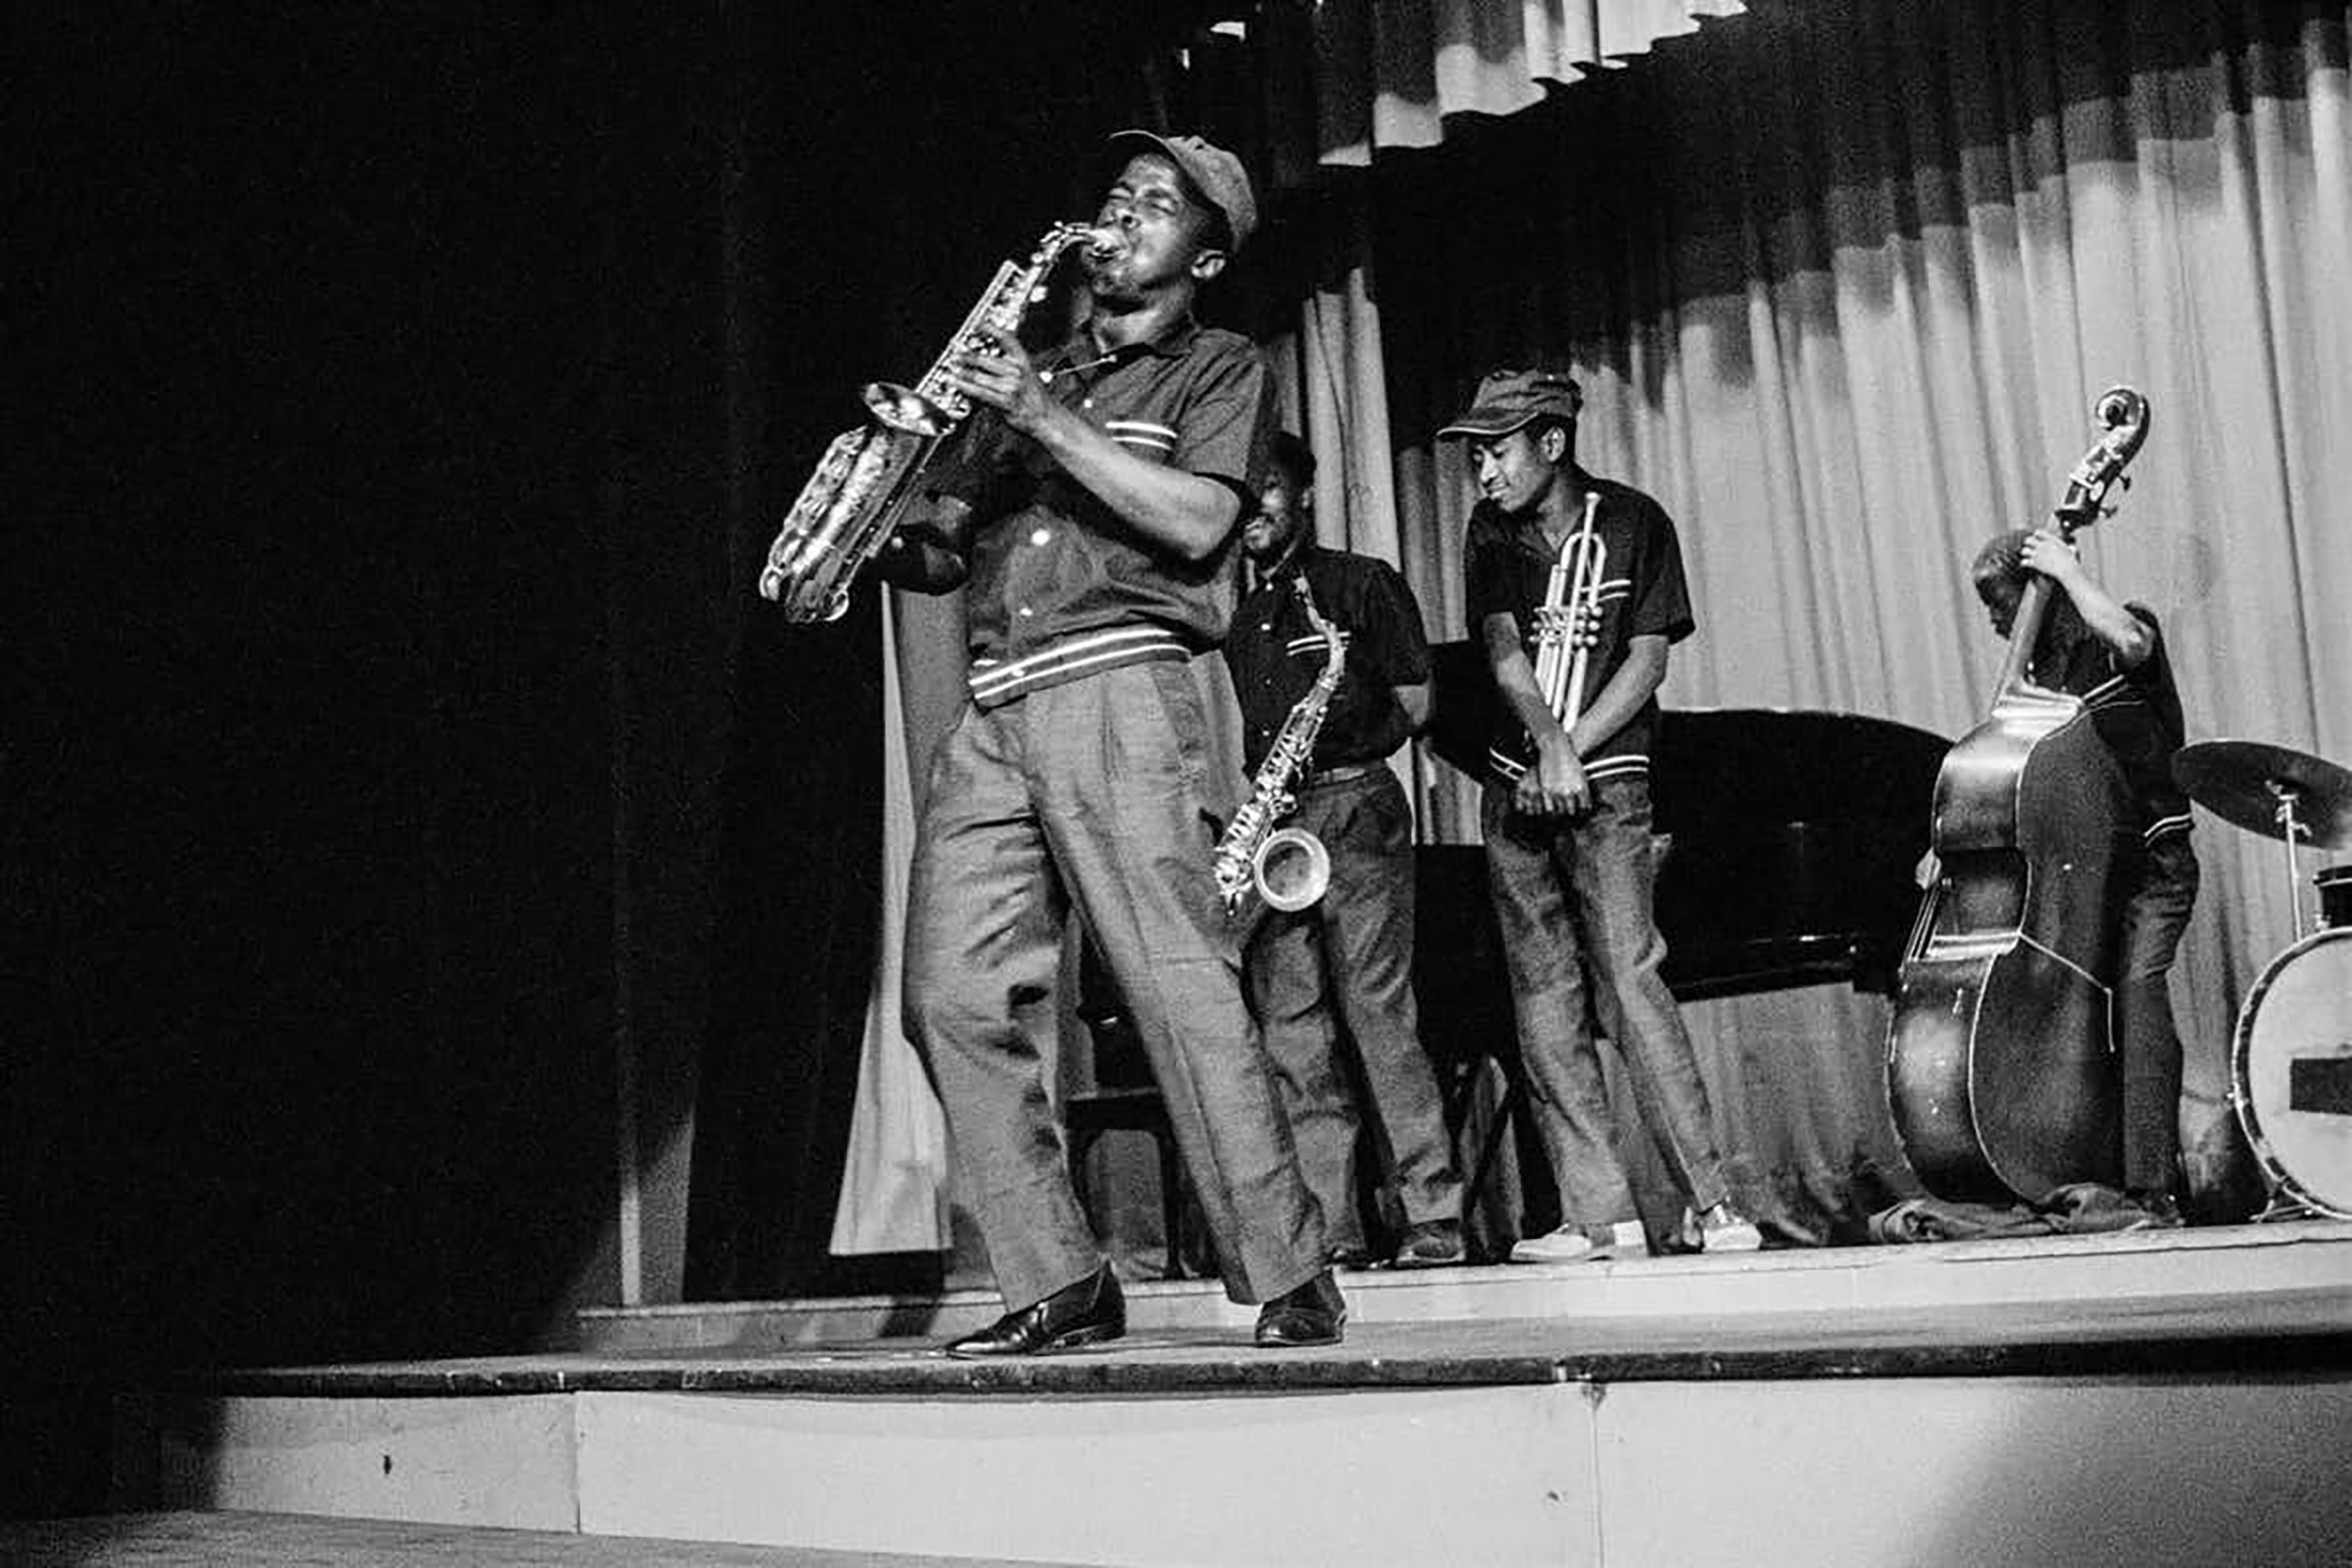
column 1570, row 1244
column 1722, row 1229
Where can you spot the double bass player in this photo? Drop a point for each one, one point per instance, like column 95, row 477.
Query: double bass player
column 2112, row 656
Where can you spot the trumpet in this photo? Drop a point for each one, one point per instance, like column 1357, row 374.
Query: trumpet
column 1568, row 621
column 852, row 504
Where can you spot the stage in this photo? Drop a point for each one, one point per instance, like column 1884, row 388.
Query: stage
column 2146, row 1396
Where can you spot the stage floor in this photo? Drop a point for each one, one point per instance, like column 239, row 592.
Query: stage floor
column 280, row 1541
column 2176, row 1397
column 2249, row 1299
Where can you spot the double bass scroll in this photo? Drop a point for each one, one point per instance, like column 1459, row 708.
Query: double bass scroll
column 2001, row 1071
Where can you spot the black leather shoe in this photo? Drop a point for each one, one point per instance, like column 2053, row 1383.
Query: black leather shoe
column 1311, row 1314
column 1085, row 1313
column 1431, row 1243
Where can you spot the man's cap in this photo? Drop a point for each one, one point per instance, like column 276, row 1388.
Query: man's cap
column 1216, row 173
column 1509, row 399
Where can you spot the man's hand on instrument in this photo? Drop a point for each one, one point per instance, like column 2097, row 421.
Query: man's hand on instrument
column 1002, row 378
column 2047, row 551
column 1555, row 786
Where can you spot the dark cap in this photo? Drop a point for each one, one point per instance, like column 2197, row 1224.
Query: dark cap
column 1509, row 399
column 1216, row 173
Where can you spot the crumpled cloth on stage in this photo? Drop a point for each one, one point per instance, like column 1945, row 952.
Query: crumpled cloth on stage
column 2080, row 1209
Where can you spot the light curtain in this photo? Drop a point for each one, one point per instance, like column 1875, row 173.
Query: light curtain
column 1842, row 284
column 1387, row 73
column 1842, row 290
column 894, row 1182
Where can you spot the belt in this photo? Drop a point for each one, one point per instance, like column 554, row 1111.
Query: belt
column 998, row 681
column 1341, row 774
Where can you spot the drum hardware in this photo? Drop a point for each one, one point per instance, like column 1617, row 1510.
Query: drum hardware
column 2290, row 1060
column 2336, row 894
column 2278, row 793
column 2290, row 1076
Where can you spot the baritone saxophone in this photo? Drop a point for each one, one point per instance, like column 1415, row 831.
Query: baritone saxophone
column 851, row 505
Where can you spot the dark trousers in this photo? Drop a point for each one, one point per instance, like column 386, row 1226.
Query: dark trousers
column 2155, row 914
column 1346, row 961
column 1575, row 899
column 1092, row 792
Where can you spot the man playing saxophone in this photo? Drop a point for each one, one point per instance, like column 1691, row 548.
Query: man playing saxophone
column 1343, row 962
column 1581, row 579
column 1091, row 520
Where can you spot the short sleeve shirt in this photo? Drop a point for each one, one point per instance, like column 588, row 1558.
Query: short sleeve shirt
column 1049, row 559
column 2137, row 712
column 1275, row 655
column 1507, row 568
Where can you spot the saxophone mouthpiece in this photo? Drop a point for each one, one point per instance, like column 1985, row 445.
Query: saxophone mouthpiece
column 1102, row 244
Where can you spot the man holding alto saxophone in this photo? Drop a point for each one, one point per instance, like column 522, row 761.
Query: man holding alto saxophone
column 1091, row 520
column 1575, row 587
column 1343, row 958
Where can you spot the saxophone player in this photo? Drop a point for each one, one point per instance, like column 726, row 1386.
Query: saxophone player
column 1091, row 523
column 1345, row 961
column 1582, row 578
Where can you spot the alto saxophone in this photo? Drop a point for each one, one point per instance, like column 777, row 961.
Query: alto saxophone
column 851, row 505
column 1288, row 868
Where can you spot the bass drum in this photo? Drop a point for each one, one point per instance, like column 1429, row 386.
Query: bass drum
column 2292, row 1071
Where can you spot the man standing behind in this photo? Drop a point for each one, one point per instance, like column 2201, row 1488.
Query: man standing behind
column 1092, row 524
column 1348, row 958
column 1567, row 818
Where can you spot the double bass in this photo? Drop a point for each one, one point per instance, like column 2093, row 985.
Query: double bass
column 2001, row 1068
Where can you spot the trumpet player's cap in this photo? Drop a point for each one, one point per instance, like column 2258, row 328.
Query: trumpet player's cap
column 1216, row 173
column 1509, row 399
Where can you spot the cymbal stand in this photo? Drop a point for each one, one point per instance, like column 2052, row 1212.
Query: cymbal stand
column 2290, row 828
column 2284, row 1204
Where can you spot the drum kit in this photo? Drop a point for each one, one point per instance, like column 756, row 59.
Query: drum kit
column 2290, row 1061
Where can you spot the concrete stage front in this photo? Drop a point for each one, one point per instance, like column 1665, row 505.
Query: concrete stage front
column 2148, row 1397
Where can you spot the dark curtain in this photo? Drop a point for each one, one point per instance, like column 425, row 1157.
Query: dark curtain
column 368, row 653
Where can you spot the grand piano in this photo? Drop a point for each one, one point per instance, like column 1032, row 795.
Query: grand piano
column 1788, row 840
column 1791, row 841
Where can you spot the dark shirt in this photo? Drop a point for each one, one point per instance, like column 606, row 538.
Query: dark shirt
column 1275, row 655
column 1050, row 563
column 1508, row 567
column 2137, row 712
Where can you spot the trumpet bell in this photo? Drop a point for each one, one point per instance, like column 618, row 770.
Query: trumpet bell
column 1291, row 869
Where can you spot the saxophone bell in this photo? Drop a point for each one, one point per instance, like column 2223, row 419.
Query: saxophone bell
column 1291, row 869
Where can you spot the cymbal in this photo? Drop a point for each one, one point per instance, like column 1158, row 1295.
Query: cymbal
column 2242, row 782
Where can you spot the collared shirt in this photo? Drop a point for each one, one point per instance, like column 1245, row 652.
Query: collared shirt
column 2137, row 712
column 1275, row 655
column 1507, row 568
column 1060, row 585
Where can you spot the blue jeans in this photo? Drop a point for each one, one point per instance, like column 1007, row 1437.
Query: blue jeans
column 1091, row 793
column 1574, row 898
column 2156, row 912
column 1348, row 960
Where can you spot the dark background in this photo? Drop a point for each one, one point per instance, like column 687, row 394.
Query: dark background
column 393, row 745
